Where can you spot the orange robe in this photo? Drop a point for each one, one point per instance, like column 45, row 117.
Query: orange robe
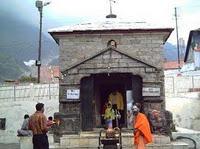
column 142, row 134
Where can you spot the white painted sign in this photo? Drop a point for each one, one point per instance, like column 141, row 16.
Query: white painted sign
column 150, row 91
column 73, row 93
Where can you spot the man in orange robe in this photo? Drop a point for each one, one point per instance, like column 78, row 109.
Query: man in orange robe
column 142, row 132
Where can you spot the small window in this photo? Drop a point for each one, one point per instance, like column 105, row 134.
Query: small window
column 112, row 43
column 2, row 123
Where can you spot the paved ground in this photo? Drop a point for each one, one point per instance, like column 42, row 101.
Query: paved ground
column 9, row 146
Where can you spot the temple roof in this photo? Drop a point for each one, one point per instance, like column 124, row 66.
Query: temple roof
column 108, row 24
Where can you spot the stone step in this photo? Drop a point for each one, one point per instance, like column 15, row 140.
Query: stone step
column 173, row 145
column 127, row 138
column 91, row 141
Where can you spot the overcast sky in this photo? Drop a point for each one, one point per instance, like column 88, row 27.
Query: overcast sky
column 68, row 12
column 160, row 12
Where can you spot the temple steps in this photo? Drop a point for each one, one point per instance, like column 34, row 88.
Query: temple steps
column 90, row 140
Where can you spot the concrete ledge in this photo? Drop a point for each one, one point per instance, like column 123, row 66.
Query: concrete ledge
column 26, row 142
column 194, row 135
column 180, row 145
column 50, row 138
column 161, row 139
column 91, row 140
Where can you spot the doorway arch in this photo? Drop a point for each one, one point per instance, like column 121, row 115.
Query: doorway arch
column 94, row 92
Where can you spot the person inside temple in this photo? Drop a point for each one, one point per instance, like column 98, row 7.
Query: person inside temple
column 109, row 116
column 116, row 100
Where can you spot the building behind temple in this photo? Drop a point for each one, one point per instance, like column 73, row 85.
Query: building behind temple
column 192, row 54
column 98, row 58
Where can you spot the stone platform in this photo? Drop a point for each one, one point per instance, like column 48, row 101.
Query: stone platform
column 90, row 140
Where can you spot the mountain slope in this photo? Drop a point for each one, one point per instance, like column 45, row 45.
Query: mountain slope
column 19, row 43
column 20, row 40
column 170, row 52
column 10, row 68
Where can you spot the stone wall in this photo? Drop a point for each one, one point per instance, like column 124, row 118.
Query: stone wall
column 76, row 48
column 182, row 99
column 14, row 111
column 186, row 111
column 111, row 61
column 82, row 55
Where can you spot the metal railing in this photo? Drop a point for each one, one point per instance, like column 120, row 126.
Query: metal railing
column 194, row 144
column 29, row 92
column 181, row 84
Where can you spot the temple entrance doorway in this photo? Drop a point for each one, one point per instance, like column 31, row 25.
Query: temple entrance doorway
column 96, row 91
column 105, row 86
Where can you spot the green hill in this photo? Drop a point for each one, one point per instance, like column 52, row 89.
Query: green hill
column 19, row 43
column 10, row 68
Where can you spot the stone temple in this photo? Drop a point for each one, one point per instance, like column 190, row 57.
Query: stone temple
column 98, row 58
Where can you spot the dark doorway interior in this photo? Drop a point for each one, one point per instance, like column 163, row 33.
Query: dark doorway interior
column 105, row 84
column 95, row 91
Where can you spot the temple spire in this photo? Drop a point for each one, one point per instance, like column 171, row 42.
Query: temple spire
column 111, row 15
